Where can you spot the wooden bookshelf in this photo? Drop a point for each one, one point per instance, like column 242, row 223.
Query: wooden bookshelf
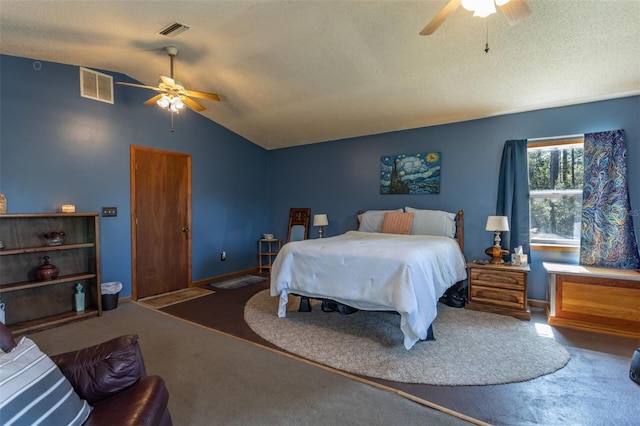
column 31, row 304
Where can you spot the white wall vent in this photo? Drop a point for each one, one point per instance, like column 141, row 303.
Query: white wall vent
column 95, row 85
column 173, row 29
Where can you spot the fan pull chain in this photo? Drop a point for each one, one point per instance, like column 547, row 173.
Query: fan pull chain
column 486, row 46
column 172, row 122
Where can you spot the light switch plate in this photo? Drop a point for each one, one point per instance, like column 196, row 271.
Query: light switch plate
column 109, row 211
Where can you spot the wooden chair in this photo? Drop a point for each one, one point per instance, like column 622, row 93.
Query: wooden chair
column 298, row 224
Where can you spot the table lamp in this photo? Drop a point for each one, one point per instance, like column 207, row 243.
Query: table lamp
column 497, row 224
column 320, row 220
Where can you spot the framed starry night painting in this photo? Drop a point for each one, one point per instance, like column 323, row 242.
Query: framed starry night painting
column 410, row 173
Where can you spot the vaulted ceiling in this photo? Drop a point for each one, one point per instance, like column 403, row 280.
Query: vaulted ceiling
column 300, row 72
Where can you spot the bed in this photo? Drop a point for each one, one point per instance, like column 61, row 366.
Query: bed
column 375, row 269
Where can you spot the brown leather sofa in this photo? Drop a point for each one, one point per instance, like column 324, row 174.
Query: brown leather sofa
column 111, row 377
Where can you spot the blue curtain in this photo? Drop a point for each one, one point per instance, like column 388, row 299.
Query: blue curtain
column 513, row 195
column 607, row 234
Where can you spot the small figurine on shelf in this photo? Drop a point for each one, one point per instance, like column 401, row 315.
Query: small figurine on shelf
column 55, row 238
column 79, row 298
column 46, row 271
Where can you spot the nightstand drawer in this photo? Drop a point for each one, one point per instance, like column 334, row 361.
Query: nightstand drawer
column 501, row 289
column 511, row 299
column 511, row 280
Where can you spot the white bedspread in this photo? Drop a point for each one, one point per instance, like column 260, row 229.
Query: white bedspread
column 372, row 271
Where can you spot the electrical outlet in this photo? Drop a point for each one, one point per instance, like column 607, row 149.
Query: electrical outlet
column 223, row 256
column 109, row 211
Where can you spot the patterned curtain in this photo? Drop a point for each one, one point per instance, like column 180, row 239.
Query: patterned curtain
column 607, row 234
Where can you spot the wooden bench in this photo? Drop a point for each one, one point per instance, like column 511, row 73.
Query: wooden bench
column 597, row 299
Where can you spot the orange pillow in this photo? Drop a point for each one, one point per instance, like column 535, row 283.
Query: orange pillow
column 397, row 223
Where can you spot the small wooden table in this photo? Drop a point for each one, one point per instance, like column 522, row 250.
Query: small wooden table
column 267, row 251
column 604, row 300
column 499, row 288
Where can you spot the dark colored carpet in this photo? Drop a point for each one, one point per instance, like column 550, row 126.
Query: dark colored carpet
column 593, row 389
column 223, row 311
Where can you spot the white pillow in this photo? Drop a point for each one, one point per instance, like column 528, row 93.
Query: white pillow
column 371, row 220
column 34, row 390
column 432, row 222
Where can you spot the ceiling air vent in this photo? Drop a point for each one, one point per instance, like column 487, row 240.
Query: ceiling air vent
column 95, row 85
column 173, row 30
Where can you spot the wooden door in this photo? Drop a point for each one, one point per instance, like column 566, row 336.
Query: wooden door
column 160, row 221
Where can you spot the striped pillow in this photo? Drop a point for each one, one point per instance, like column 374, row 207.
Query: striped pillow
column 33, row 390
column 397, row 223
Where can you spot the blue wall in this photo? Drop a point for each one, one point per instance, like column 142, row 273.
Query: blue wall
column 341, row 177
column 57, row 147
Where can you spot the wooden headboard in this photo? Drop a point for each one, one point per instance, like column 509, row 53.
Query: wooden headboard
column 459, row 219
column 460, row 229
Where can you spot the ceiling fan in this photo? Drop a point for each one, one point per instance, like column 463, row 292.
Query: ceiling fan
column 514, row 10
column 173, row 96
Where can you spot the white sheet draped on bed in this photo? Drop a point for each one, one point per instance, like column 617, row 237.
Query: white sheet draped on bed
column 372, row 271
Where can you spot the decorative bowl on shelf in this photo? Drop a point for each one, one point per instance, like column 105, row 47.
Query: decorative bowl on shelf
column 55, row 238
column 46, row 271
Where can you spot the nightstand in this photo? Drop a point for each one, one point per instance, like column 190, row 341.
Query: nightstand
column 501, row 289
column 267, row 251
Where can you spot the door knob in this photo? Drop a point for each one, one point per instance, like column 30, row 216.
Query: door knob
column 185, row 229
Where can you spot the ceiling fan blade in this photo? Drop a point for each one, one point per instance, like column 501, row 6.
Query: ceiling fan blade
column 192, row 104
column 142, row 86
column 451, row 7
column 515, row 11
column 188, row 102
column 168, row 81
column 202, row 95
column 153, row 100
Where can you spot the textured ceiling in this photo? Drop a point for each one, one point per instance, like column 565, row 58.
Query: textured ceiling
column 299, row 72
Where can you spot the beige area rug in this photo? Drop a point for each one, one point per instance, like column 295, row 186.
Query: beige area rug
column 173, row 297
column 471, row 348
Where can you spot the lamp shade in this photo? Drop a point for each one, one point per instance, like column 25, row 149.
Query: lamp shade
column 320, row 220
column 497, row 223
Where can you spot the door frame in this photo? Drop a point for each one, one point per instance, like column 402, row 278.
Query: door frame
column 132, row 178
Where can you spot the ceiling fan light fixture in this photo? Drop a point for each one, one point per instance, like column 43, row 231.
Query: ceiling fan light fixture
column 177, row 104
column 171, row 103
column 172, row 95
column 515, row 11
column 164, row 102
column 486, row 10
column 482, row 8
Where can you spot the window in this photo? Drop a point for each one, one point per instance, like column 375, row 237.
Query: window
column 556, row 169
